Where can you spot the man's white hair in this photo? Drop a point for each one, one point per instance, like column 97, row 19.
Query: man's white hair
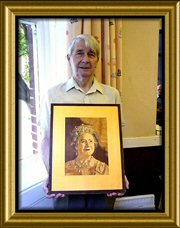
column 90, row 42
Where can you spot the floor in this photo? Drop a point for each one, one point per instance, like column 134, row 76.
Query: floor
column 33, row 199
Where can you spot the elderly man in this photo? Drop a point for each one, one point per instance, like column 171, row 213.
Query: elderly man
column 82, row 87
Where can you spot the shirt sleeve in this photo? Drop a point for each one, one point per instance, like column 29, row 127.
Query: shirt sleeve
column 44, row 122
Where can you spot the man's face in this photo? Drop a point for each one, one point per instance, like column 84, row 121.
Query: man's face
column 85, row 145
column 83, row 61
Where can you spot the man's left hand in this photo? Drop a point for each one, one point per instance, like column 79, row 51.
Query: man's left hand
column 119, row 194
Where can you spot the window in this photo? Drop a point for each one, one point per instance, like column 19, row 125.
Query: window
column 41, row 50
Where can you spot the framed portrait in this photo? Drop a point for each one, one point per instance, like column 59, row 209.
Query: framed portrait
column 11, row 11
column 86, row 149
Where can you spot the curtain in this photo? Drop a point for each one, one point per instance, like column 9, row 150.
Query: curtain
column 108, row 33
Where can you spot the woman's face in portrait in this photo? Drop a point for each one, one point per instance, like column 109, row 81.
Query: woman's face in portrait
column 83, row 60
column 85, row 145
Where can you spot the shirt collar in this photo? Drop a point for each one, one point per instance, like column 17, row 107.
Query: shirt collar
column 71, row 83
column 96, row 86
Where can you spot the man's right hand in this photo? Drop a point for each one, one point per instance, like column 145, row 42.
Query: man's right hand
column 46, row 190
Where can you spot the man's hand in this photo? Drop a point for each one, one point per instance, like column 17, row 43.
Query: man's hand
column 46, row 191
column 119, row 194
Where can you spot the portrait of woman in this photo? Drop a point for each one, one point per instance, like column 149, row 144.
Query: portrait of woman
column 84, row 143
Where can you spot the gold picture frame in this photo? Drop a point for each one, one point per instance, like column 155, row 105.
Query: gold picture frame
column 103, row 171
column 170, row 11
